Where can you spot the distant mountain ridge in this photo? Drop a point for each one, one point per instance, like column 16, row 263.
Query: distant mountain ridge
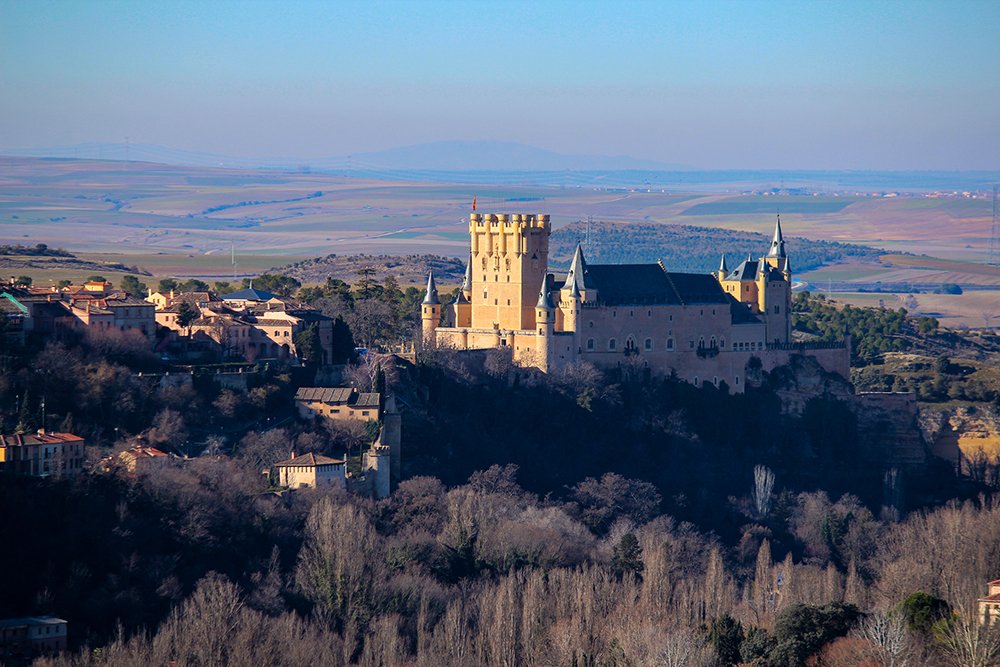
column 434, row 156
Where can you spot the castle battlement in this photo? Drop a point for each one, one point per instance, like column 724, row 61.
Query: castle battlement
column 482, row 221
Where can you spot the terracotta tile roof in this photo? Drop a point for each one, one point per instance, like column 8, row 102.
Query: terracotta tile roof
column 309, row 460
column 145, row 452
column 991, row 598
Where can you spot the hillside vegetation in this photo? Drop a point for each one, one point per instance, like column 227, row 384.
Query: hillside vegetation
column 406, row 269
column 686, row 248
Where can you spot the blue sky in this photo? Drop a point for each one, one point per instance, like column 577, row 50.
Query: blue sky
column 846, row 85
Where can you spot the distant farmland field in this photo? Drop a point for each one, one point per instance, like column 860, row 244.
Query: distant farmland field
column 770, row 206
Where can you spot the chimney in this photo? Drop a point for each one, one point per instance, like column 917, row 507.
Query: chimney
column 293, row 455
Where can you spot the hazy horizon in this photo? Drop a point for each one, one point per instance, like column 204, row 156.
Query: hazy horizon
column 754, row 85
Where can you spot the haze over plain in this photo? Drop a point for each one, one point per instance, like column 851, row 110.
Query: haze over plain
column 754, row 85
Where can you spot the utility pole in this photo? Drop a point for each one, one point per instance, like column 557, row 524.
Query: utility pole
column 994, row 250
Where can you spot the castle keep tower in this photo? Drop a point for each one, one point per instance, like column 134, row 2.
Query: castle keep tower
column 509, row 260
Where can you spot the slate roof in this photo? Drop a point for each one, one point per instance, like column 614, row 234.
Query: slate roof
column 745, row 270
column 249, row 294
column 324, row 394
column 309, row 459
column 22, row 439
column 741, row 313
column 623, row 284
column 367, row 400
column 11, row 306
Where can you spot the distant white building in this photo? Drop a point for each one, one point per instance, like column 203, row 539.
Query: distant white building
column 32, row 635
column 311, row 471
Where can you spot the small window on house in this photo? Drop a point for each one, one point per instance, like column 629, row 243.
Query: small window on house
column 612, row 344
column 364, row 413
column 590, row 343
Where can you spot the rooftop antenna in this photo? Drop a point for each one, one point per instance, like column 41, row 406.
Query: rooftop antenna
column 994, row 256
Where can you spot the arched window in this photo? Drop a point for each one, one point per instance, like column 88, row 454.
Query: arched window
column 701, row 342
column 648, row 344
column 712, row 343
column 630, row 343
column 696, row 381
column 590, row 343
column 670, row 343
column 612, row 344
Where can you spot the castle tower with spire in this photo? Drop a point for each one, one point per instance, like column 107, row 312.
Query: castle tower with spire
column 430, row 312
column 765, row 285
column 703, row 327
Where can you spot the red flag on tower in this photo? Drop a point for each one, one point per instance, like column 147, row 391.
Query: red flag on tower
column 473, row 202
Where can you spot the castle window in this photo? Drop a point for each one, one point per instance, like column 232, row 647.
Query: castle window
column 590, row 343
column 508, row 278
column 701, row 342
column 691, row 344
column 696, row 381
column 631, row 313
column 648, row 344
column 713, row 311
column 737, row 379
column 715, row 381
column 712, row 344
column 777, row 309
column 496, row 302
column 722, row 343
column 670, row 343
column 614, row 313
column 701, row 312
column 671, row 318
column 508, row 302
column 649, row 313
column 590, row 324
column 612, row 344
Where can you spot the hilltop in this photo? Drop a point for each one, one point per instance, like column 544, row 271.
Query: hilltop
column 406, row 269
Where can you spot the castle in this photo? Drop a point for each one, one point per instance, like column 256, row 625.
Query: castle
column 705, row 328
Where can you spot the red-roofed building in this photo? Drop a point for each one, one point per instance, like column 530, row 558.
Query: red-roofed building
column 41, row 454
column 141, row 460
column 989, row 606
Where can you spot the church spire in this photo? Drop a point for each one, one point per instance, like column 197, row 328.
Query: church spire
column 778, row 242
column 432, row 292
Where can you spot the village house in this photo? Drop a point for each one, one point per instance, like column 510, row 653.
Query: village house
column 141, row 460
column 989, row 606
column 42, row 454
column 31, row 635
column 248, row 324
column 337, row 403
column 310, row 471
column 92, row 307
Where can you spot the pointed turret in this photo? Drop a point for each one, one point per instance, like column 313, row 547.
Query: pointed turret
column 577, row 275
column 544, row 302
column 467, row 280
column 723, row 268
column 778, row 242
column 432, row 293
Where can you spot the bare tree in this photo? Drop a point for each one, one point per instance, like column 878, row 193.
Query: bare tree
column 967, row 643
column 763, row 487
column 888, row 637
